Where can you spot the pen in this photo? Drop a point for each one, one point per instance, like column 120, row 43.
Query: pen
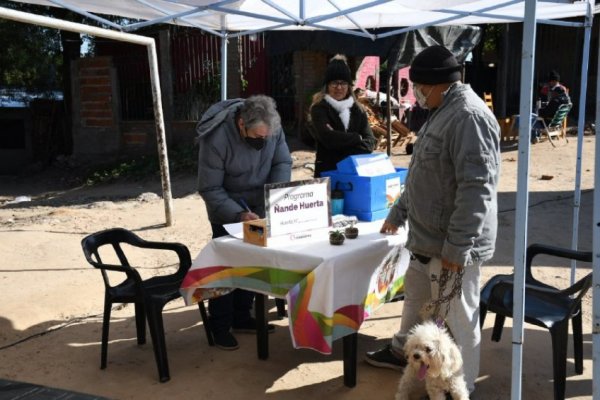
column 243, row 203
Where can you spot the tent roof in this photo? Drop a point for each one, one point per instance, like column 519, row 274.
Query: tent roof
column 358, row 15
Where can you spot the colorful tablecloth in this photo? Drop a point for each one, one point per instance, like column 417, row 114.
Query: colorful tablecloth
column 330, row 290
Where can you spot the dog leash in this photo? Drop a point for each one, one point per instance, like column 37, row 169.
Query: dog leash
column 433, row 308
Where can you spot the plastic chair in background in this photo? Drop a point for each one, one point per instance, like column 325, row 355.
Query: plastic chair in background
column 149, row 296
column 487, row 98
column 545, row 306
column 557, row 127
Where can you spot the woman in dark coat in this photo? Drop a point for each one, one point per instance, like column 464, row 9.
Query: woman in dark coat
column 339, row 123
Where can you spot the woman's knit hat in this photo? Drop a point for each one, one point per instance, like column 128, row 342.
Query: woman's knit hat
column 434, row 65
column 338, row 70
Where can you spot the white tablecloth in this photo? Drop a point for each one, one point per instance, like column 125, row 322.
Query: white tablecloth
column 330, row 290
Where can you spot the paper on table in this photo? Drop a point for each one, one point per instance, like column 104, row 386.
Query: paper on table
column 236, row 230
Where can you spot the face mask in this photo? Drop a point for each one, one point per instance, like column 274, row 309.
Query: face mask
column 421, row 98
column 255, row 143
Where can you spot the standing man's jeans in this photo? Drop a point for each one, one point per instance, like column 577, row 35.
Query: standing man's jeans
column 421, row 286
column 232, row 308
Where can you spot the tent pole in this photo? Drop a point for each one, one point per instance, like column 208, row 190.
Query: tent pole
column 155, row 80
column 522, row 205
column 224, row 40
column 580, row 127
column 596, row 255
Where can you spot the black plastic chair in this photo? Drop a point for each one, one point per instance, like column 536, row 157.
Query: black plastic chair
column 545, row 306
column 149, row 296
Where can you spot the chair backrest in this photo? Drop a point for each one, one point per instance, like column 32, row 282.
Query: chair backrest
column 487, row 98
column 578, row 290
column 115, row 238
column 111, row 238
column 560, row 115
column 536, row 248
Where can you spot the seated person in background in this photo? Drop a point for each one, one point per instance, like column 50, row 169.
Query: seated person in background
column 339, row 122
column 558, row 96
column 553, row 80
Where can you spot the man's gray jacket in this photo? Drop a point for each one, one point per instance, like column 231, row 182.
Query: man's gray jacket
column 450, row 191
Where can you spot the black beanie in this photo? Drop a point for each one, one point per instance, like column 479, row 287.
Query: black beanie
column 338, row 70
column 434, row 65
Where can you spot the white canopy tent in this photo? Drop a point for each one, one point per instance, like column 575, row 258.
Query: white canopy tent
column 229, row 18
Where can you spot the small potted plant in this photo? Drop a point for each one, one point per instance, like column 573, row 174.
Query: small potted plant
column 351, row 232
column 336, row 237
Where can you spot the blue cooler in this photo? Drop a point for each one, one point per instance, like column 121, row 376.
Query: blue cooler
column 369, row 198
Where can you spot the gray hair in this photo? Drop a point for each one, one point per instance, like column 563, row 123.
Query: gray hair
column 258, row 110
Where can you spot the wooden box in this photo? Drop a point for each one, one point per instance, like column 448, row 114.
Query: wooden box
column 508, row 130
column 255, row 232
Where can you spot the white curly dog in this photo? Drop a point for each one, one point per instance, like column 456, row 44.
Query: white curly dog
column 434, row 358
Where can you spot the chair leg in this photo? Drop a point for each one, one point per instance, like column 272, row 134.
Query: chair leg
column 140, row 322
column 280, row 304
column 157, row 332
column 105, row 326
column 498, row 326
column 578, row 342
column 550, row 138
column 482, row 314
column 560, row 334
column 206, row 323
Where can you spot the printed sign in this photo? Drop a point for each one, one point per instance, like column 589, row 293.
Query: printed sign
column 388, row 278
column 392, row 191
column 298, row 206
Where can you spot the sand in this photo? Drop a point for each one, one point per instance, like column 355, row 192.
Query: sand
column 50, row 314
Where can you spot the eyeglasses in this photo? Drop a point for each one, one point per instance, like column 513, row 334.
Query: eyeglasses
column 340, row 84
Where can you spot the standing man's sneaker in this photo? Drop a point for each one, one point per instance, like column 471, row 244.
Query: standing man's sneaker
column 225, row 341
column 385, row 358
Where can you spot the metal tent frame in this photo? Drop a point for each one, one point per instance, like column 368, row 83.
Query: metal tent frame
column 230, row 18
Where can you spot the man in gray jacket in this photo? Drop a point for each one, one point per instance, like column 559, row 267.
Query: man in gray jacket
column 449, row 207
column 241, row 148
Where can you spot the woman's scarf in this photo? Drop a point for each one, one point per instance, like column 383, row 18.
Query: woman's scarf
column 342, row 107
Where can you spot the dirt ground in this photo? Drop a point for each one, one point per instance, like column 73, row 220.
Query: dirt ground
column 50, row 313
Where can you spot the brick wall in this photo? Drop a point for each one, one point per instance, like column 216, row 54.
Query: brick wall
column 309, row 70
column 96, row 131
column 99, row 134
column 95, row 90
column 368, row 67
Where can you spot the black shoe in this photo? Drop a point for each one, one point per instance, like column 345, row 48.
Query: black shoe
column 225, row 341
column 249, row 326
column 385, row 358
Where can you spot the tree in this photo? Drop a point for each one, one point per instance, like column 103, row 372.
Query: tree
column 31, row 57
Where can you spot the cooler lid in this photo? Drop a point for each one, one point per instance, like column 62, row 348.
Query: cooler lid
column 375, row 164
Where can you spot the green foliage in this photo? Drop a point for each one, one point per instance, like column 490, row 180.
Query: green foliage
column 337, row 234
column 31, row 56
column 191, row 105
column 244, row 83
column 492, row 35
column 181, row 160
